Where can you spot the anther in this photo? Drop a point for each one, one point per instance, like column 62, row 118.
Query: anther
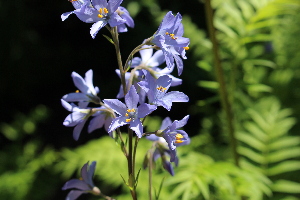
column 167, row 33
column 178, row 141
column 161, row 88
column 128, row 120
column 178, row 136
column 72, row 0
column 186, row 48
column 77, row 91
column 126, row 115
column 100, row 10
column 105, row 10
column 100, row 16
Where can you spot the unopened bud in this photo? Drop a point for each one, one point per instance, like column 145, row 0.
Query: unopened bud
column 96, row 191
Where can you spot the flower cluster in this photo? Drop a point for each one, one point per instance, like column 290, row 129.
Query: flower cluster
column 144, row 87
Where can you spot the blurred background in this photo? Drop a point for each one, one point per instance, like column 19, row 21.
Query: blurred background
column 259, row 49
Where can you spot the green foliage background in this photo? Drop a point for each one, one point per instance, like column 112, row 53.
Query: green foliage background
column 259, row 47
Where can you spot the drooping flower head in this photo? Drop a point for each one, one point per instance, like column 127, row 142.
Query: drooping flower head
column 77, row 118
column 84, row 184
column 156, row 90
column 174, row 137
column 87, row 92
column 169, row 38
column 129, row 113
column 100, row 119
column 161, row 151
column 99, row 12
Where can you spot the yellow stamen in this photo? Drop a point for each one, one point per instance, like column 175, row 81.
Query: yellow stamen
column 77, row 91
column 178, row 141
column 105, row 10
column 161, row 88
column 100, row 16
column 178, row 136
column 186, row 48
column 72, row 0
column 128, row 120
column 172, row 35
column 126, row 115
column 100, row 10
column 167, row 33
column 128, row 110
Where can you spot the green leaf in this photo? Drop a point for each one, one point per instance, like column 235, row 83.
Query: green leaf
column 250, row 140
column 252, row 155
column 159, row 189
column 283, row 167
column 212, row 85
column 286, row 186
column 283, row 154
column 109, row 39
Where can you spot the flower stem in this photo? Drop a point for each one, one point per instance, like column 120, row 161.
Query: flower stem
column 115, row 37
column 226, row 104
column 131, row 164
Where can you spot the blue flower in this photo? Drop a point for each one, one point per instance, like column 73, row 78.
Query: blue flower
column 83, row 185
column 130, row 113
column 99, row 12
column 123, row 12
column 169, row 38
column 161, row 151
column 87, row 92
column 156, row 90
column 77, row 5
column 100, row 119
column 77, row 118
column 174, row 137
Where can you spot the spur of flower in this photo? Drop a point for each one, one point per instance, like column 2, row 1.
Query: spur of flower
column 99, row 12
column 86, row 91
column 156, row 90
column 173, row 136
column 169, row 38
column 84, row 184
column 129, row 113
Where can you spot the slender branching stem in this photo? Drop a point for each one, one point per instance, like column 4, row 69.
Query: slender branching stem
column 226, row 104
column 115, row 37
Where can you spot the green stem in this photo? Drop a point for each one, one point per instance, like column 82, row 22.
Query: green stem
column 131, row 171
column 115, row 37
column 222, row 85
column 150, row 173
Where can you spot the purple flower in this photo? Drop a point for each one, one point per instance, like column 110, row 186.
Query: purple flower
column 77, row 5
column 123, row 12
column 87, row 92
column 130, row 113
column 174, row 137
column 169, row 38
column 156, row 90
column 161, row 151
column 77, row 118
column 99, row 12
column 136, row 78
column 84, row 184
column 101, row 118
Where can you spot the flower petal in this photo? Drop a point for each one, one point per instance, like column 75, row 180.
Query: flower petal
column 76, row 183
column 137, row 127
column 97, row 122
column 132, row 98
column 74, row 194
column 115, row 104
column 65, row 15
column 145, row 109
column 77, row 130
column 74, row 97
column 96, row 27
column 165, row 123
column 116, row 123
